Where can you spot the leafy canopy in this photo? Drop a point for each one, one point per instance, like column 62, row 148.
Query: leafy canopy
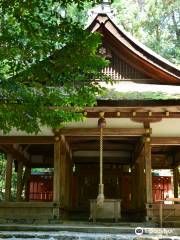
column 46, row 60
column 156, row 23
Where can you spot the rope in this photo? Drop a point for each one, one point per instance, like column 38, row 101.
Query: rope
column 101, row 156
column 100, row 198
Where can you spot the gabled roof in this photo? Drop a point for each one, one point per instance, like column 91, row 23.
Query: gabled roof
column 140, row 56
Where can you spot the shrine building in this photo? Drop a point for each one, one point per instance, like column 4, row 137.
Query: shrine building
column 112, row 155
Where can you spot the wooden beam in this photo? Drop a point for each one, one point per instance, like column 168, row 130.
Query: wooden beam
column 138, row 149
column 26, row 148
column 90, row 171
column 106, row 146
column 165, row 141
column 16, row 154
column 66, row 146
column 114, row 160
column 107, row 132
column 81, row 140
column 139, row 117
column 147, row 125
column 137, row 113
column 160, row 161
column 27, row 139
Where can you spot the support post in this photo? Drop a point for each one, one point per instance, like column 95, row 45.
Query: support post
column 138, row 176
column 148, row 168
column 161, row 214
column 70, row 175
column 19, row 181
column 66, row 175
column 57, row 167
column 135, row 182
column 27, row 175
column 141, row 179
column 148, row 171
column 62, row 173
column 68, row 169
column 176, row 181
column 8, row 178
column 57, row 177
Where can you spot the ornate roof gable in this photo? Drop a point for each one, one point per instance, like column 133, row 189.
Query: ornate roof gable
column 142, row 59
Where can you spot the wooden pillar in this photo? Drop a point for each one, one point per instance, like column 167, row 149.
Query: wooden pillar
column 138, row 187
column 148, row 173
column 119, row 184
column 133, row 189
column 176, row 181
column 135, row 183
column 138, row 177
column 8, row 178
column 68, row 179
column 26, row 178
column 141, row 198
column 57, row 178
column 57, row 168
column 19, row 181
column 63, row 177
column 148, row 170
column 65, row 174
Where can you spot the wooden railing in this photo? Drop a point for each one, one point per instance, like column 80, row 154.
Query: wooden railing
column 161, row 219
column 41, row 196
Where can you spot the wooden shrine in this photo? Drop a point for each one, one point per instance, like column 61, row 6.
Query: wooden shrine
column 141, row 135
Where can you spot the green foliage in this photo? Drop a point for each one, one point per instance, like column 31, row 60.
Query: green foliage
column 146, row 95
column 42, row 170
column 156, row 23
column 47, row 60
column 77, row 15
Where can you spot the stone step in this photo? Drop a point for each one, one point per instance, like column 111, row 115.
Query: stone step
column 119, row 227
column 86, row 228
column 172, row 224
column 65, row 235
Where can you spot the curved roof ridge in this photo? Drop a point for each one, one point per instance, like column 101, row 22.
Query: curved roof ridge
column 136, row 46
column 143, row 46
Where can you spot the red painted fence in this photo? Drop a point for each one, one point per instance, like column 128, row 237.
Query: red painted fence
column 41, row 188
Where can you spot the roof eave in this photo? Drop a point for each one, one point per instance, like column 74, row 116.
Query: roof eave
column 170, row 70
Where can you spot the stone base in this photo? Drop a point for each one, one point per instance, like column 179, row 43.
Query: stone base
column 110, row 209
column 28, row 212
